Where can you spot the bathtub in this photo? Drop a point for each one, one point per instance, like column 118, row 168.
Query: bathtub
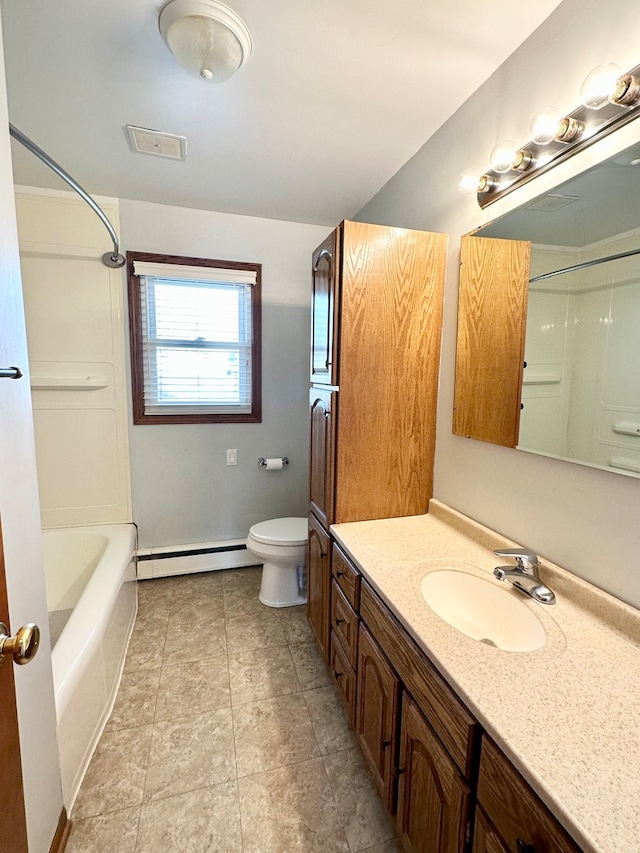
column 92, row 600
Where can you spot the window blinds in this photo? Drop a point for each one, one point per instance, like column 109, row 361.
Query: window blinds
column 196, row 339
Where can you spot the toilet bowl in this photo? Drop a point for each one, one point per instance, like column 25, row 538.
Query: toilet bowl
column 281, row 545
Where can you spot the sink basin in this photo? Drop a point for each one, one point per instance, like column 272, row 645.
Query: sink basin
column 483, row 611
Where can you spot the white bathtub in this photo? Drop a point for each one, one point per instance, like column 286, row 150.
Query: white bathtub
column 92, row 601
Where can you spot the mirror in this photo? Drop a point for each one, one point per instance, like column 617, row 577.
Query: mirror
column 548, row 356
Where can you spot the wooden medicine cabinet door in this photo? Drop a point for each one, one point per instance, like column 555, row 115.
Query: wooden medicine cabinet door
column 492, row 317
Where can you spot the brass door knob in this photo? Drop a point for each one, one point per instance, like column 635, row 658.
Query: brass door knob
column 23, row 647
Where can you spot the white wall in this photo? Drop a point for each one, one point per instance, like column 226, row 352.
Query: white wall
column 183, row 491
column 581, row 518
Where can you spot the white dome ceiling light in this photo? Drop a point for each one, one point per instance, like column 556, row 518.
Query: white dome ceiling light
column 207, row 38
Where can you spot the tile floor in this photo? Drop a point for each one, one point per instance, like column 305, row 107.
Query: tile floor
column 227, row 735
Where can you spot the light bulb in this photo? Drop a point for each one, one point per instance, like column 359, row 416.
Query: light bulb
column 599, row 85
column 468, row 182
column 502, row 156
column 544, row 125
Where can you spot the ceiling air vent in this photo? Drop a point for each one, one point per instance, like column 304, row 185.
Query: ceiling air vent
column 146, row 141
column 551, row 203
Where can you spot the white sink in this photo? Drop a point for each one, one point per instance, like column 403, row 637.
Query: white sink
column 483, row 611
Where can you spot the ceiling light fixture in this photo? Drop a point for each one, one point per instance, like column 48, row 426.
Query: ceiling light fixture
column 207, row 38
column 610, row 99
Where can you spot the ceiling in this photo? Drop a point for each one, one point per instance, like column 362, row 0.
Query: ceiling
column 335, row 98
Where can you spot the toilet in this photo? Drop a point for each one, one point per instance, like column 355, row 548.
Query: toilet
column 281, row 545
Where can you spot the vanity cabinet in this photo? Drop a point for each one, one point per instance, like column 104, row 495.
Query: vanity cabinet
column 513, row 813
column 449, row 786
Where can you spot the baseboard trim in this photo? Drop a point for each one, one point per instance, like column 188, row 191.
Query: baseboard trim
column 61, row 836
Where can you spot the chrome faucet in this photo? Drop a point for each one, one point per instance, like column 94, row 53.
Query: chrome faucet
column 525, row 574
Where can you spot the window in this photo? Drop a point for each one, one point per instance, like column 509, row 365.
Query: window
column 195, row 339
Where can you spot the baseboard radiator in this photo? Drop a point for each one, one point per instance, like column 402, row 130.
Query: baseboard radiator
column 188, row 559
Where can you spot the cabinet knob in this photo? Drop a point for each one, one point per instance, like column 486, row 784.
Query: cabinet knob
column 339, row 621
column 524, row 846
column 337, row 674
column 339, row 574
column 385, row 744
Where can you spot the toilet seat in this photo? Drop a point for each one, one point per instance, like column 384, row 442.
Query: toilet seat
column 280, row 531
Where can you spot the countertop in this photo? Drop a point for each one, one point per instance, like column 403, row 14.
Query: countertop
column 568, row 714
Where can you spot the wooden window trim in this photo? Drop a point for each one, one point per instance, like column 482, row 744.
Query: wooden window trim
column 135, row 335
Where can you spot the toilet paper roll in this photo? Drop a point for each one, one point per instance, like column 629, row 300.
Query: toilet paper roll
column 274, row 464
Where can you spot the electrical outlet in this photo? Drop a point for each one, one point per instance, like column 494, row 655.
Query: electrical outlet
column 232, row 457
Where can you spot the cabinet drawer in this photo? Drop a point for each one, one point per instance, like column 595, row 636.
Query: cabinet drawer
column 344, row 676
column 346, row 576
column 520, row 817
column 344, row 624
column 450, row 719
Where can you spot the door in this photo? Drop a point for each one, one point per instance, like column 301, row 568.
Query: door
column 322, row 455
column 319, row 584
column 433, row 799
column 377, row 713
column 30, row 771
column 492, row 320
column 13, row 826
column 324, row 312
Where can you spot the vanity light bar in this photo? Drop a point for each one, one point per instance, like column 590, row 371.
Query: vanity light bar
column 573, row 132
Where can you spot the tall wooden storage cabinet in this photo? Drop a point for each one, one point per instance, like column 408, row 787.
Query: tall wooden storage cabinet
column 375, row 351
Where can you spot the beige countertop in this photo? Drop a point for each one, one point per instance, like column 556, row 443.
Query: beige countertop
column 567, row 715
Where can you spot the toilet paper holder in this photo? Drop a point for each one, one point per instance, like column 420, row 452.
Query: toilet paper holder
column 263, row 462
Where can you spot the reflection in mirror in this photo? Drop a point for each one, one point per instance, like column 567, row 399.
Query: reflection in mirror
column 580, row 391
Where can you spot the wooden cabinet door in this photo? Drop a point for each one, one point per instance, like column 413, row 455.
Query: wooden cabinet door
column 324, row 308
column 377, row 713
column 319, row 584
column 485, row 836
column 515, row 810
column 433, row 799
column 322, row 465
column 492, row 319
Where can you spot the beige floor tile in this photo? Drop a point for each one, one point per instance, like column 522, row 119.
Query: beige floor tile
column 242, row 600
column 158, row 591
column 329, row 720
column 262, row 674
column 190, row 753
column 135, row 703
column 251, row 576
column 203, row 821
column 254, row 631
column 272, row 733
column 311, row 669
column 365, row 819
column 193, row 688
column 295, row 624
column 115, row 777
column 290, row 810
column 195, row 631
column 115, row 832
column 199, row 587
column 146, row 647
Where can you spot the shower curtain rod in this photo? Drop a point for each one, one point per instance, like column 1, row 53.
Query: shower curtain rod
column 586, row 264
column 111, row 259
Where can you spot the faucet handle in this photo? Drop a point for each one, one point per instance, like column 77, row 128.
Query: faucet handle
column 525, row 560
